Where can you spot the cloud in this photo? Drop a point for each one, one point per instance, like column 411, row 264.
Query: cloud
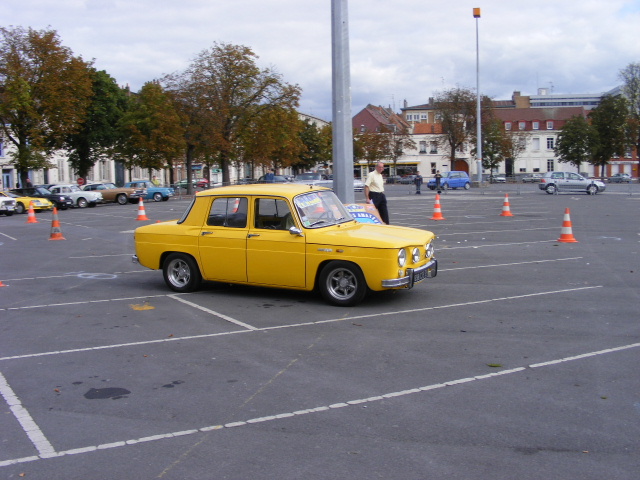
column 405, row 49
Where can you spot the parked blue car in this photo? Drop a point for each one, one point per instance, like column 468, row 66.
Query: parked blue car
column 157, row 194
column 454, row 179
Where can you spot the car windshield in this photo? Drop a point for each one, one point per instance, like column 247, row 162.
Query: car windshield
column 43, row 191
column 321, row 209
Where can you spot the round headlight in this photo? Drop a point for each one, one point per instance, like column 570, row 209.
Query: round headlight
column 402, row 257
column 415, row 254
column 429, row 250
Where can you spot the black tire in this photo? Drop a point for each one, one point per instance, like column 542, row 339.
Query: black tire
column 82, row 203
column 592, row 189
column 20, row 208
column 551, row 189
column 157, row 197
column 181, row 273
column 122, row 199
column 467, row 186
column 342, row 284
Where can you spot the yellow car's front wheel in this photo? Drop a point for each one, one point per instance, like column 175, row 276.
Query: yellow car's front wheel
column 342, row 284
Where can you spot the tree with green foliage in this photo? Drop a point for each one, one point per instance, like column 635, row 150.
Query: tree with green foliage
column 456, row 111
column 577, row 141
column 630, row 75
column 45, row 92
column 609, row 121
column 495, row 148
column 399, row 141
column 221, row 95
column 152, row 132
column 317, row 146
column 371, row 147
column 98, row 132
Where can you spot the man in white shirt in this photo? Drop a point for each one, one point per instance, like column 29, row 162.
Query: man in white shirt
column 374, row 192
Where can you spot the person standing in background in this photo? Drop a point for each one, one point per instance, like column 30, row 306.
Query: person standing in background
column 374, row 192
column 418, row 182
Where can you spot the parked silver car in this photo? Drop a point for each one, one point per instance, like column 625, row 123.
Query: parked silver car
column 560, row 182
column 81, row 198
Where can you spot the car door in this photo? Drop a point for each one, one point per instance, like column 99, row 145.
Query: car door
column 575, row 182
column 275, row 256
column 223, row 240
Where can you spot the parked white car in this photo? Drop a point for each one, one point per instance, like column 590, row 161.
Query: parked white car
column 81, row 198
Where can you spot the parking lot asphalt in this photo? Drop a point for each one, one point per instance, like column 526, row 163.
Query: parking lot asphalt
column 519, row 360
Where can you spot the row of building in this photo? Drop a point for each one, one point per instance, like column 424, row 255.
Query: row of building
column 539, row 117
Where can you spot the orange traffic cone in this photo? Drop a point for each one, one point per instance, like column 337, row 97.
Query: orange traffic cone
column 566, row 235
column 31, row 216
column 56, row 233
column 437, row 211
column 141, row 213
column 506, row 209
column 2, row 284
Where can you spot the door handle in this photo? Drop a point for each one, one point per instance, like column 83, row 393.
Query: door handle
column 253, row 235
column 206, row 233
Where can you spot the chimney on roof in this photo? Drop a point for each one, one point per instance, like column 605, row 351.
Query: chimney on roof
column 405, row 103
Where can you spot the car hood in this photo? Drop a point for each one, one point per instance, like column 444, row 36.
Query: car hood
column 354, row 234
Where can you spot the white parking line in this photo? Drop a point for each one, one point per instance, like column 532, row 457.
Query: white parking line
column 45, row 449
column 213, row 312
column 325, row 408
column 277, row 327
column 509, row 264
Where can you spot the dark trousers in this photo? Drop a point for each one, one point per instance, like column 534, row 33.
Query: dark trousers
column 380, row 202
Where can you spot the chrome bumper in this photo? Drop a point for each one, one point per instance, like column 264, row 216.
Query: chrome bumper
column 414, row 275
column 134, row 259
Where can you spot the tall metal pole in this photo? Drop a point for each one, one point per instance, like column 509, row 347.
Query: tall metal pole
column 342, row 128
column 476, row 15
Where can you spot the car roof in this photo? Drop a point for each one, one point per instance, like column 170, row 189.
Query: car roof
column 283, row 189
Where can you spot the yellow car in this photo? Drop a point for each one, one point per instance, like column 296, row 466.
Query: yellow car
column 22, row 202
column 292, row 236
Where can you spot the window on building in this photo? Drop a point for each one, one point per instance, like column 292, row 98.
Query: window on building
column 535, row 125
column 550, row 165
column 433, row 147
column 535, row 143
column 550, row 125
column 507, row 125
column 423, row 116
column 550, row 143
column 433, row 168
column 1, row 149
column 423, row 147
column 521, row 125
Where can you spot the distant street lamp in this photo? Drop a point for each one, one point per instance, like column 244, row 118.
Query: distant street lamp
column 476, row 15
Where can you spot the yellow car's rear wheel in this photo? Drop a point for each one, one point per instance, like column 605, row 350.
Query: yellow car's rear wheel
column 181, row 273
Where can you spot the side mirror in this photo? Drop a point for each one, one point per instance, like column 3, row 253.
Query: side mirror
column 296, row 231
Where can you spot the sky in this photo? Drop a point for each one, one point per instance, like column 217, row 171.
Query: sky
column 400, row 50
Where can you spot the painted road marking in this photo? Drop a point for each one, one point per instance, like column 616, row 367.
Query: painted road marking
column 45, row 449
column 277, row 327
column 325, row 408
column 213, row 312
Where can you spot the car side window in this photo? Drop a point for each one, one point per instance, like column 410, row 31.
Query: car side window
column 272, row 213
column 557, row 175
column 228, row 212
